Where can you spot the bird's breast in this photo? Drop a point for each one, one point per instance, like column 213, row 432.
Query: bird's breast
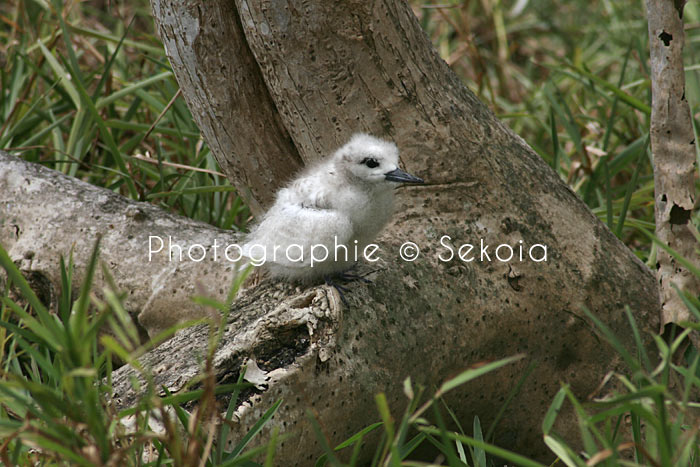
column 369, row 214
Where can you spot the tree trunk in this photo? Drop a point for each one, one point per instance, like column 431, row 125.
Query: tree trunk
column 275, row 83
column 45, row 214
column 673, row 146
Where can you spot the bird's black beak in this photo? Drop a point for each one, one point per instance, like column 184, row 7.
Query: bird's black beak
column 398, row 175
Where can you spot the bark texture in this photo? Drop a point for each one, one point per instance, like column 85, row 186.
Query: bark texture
column 230, row 102
column 322, row 71
column 673, row 146
column 45, row 215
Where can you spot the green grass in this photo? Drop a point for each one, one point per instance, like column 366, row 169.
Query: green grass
column 86, row 89
column 90, row 92
column 57, row 404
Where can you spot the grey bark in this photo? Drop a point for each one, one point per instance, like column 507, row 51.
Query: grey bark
column 45, row 214
column 324, row 70
column 230, row 102
column 673, row 145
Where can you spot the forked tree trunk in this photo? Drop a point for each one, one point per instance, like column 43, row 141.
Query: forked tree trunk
column 272, row 84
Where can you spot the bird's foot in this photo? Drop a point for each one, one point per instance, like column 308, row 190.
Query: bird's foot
column 350, row 276
column 341, row 290
column 346, row 276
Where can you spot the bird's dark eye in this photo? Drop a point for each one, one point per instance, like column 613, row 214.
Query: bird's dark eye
column 369, row 162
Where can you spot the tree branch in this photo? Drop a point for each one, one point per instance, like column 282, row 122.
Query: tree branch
column 673, row 145
column 45, row 215
column 221, row 82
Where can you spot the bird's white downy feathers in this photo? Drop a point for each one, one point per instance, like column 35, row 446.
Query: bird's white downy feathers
column 345, row 199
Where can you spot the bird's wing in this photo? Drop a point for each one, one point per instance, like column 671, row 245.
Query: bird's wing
column 288, row 235
column 311, row 192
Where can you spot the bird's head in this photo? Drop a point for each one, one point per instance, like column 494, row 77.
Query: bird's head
column 371, row 160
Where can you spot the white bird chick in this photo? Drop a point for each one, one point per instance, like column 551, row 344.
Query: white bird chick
column 338, row 205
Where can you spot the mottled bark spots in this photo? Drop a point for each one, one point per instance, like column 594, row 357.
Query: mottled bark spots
column 666, row 38
column 679, row 216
